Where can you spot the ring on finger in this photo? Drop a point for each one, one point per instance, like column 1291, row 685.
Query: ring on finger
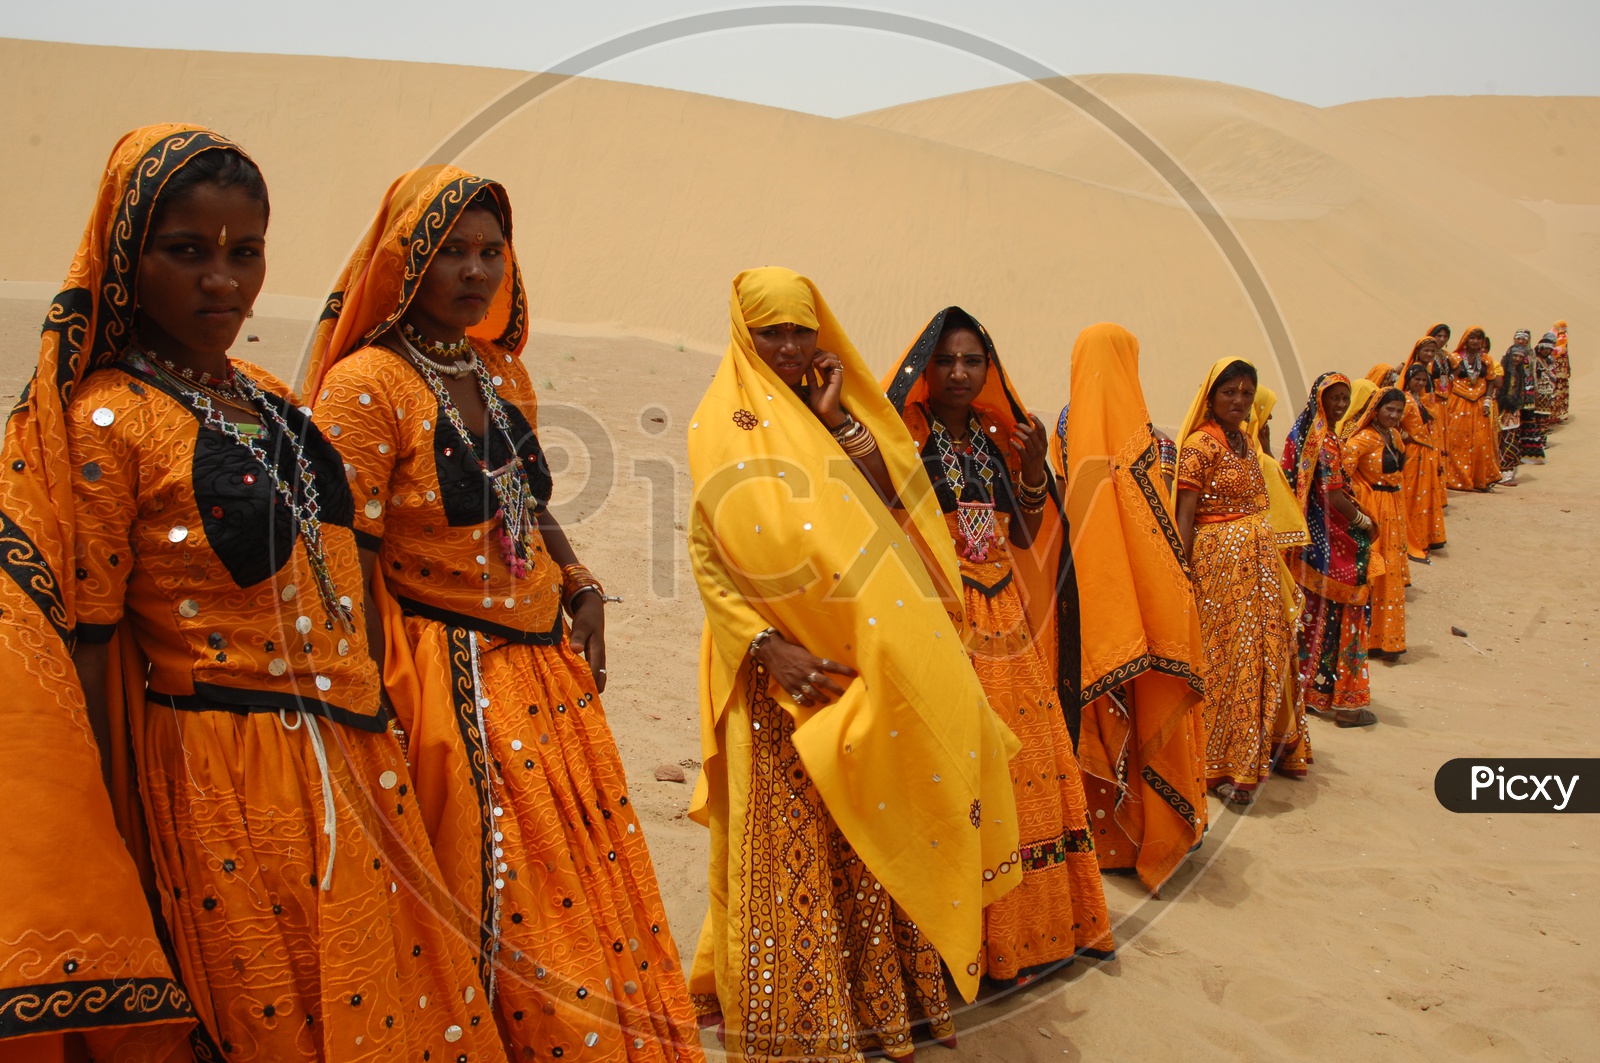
column 814, row 678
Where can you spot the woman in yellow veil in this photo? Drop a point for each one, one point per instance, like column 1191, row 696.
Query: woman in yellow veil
column 855, row 780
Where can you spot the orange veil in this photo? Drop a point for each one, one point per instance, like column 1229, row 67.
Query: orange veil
column 1414, row 358
column 1041, row 566
column 1139, row 632
column 374, row 291
column 378, row 283
column 81, row 951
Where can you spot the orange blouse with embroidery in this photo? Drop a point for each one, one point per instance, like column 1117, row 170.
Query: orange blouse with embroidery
column 423, row 502
column 179, row 529
column 1229, row 486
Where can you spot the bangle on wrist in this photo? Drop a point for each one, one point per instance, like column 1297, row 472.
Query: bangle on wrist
column 857, row 441
column 761, row 640
column 576, row 579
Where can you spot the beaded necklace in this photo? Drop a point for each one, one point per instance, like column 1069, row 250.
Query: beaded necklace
column 518, row 531
column 975, row 521
column 447, row 357
column 238, row 389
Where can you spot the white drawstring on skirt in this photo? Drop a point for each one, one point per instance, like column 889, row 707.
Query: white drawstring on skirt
column 330, row 821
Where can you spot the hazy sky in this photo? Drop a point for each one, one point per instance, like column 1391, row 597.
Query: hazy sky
column 1321, row 53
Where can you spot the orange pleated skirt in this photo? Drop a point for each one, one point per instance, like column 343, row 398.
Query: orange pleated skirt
column 1386, row 630
column 286, row 955
column 538, row 841
column 1059, row 909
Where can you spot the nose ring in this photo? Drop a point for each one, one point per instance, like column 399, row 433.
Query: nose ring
column 233, row 282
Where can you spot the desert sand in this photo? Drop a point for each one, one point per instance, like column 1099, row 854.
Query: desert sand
column 1345, row 916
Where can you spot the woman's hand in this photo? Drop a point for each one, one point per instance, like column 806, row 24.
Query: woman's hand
column 589, row 634
column 1032, row 442
column 824, row 400
column 804, row 677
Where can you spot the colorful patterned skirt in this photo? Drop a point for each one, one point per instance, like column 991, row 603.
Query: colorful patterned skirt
column 1247, row 643
column 1532, row 434
column 1333, row 654
column 523, row 791
column 1059, row 909
column 804, row 955
column 1510, row 441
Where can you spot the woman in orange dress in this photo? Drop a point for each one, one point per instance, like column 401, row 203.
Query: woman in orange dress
column 214, row 575
column 1132, row 677
column 1421, row 484
column 1471, row 421
column 1374, row 457
column 1224, row 520
column 1383, row 375
column 417, row 377
column 986, row 457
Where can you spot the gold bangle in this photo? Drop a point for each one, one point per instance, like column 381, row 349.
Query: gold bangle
column 861, row 443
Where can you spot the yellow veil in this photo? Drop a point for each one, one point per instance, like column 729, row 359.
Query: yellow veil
column 1288, row 519
column 1293, row 601
column 1198, row 412
column 1361, row 392
column 786, row 532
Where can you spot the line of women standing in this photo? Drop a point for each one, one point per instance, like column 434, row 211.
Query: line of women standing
column 339, row 667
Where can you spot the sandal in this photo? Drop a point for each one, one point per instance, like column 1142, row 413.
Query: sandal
column 1233, row 795
column 1361, row 718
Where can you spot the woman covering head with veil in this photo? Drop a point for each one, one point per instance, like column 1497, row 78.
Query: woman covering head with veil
column 1373, row 457
column 855, row 780
column 1422, row 485
column 986, row 457
column 1471, row 418
column 1224, row 518
column 417, row 373
column 202, row 524
column 1334, row 569
column 1136, row 666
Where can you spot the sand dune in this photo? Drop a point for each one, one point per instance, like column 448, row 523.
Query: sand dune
column 1363, row 230
column 636, row 205
column 1347, row 916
